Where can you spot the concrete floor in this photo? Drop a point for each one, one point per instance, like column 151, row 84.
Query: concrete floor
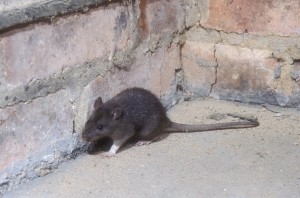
column 256, row 162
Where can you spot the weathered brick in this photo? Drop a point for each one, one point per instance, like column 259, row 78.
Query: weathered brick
column 29, row 128
column 41, row 50
column 200, row 53
column 160, row 16
column 244, row 71
column 267, row 17
column 198, row 62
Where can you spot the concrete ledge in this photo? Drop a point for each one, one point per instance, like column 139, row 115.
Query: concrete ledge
column 46, row 9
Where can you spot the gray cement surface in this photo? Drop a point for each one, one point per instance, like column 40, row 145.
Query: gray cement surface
column 256, row 162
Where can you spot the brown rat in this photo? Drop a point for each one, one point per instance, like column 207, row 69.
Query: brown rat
column 138, row 113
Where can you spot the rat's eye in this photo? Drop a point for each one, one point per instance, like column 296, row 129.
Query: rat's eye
column 100, row 127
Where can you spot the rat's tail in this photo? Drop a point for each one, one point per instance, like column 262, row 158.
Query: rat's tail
column 177, row 127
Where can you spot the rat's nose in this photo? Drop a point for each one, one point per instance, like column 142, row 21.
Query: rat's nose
column 84, row 136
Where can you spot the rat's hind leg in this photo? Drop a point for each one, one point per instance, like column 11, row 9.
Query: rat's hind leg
column 142, row 143
column 149, row 134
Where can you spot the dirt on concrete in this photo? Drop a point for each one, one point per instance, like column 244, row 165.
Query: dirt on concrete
column 255, row 162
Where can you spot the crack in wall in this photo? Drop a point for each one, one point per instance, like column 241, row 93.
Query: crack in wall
column 180, row 72
column 216, row 72
column 160, row 77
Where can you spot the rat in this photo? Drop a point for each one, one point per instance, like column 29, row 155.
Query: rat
column 138, row 113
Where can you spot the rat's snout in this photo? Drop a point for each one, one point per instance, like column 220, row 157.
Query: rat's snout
column 84, row 136
column 89, row 137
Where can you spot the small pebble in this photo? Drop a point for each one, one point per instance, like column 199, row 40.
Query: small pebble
column 278, row 115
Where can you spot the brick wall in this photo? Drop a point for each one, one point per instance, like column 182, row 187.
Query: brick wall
column 53, row 64
column 245, row 51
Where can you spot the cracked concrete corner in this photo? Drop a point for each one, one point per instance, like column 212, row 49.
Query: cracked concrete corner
column 40, row 164
column 179, row 72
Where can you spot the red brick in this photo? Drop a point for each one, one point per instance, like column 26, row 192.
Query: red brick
column 41, row 50
column 199, row 64
column 244, row 69
column 267, row 17
column 160, row 16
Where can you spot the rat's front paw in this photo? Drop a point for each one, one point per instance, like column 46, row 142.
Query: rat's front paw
column 107, row 154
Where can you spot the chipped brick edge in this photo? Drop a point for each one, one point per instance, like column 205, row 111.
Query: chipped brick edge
column 46, row 9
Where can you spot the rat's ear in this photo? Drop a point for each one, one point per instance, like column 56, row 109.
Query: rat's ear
column 98, row 103
column 117, row 113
